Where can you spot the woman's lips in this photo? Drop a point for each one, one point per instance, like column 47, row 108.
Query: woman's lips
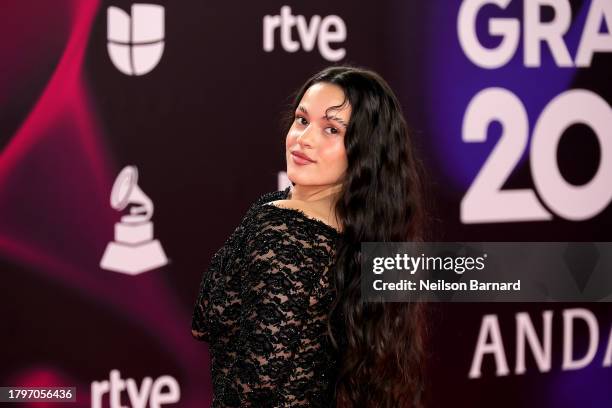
column 299, row 159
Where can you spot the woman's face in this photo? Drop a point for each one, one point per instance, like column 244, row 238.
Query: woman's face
column 319, row 136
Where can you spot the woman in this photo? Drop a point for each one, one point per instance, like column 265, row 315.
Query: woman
column 280, row 304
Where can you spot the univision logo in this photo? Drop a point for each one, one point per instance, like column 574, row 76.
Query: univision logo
column 136, row 43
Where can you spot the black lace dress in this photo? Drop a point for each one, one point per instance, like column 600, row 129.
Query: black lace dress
column 263, row 305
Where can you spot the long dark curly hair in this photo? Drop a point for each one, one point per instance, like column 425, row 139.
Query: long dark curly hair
column 381, row 346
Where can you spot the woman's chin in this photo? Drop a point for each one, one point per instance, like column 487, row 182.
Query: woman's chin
column 297, row 179
column 294, row 174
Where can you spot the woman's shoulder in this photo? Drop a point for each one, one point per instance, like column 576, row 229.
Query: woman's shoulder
column 247, row 219
column 303, row 210
column 274, row 213
column 261, row 200
column 289, row 218
column 271, row 196
column 288, row 236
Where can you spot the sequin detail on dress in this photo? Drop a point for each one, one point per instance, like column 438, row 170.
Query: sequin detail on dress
column 262, row 307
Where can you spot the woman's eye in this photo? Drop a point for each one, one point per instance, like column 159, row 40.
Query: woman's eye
column 332, row 130
column 301, row 120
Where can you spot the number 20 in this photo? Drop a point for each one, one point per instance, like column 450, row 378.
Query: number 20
column 486, row 202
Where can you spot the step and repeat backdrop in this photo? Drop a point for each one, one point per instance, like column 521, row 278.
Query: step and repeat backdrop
column 134, row 136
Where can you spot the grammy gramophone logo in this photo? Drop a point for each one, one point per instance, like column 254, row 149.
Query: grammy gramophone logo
column 134, row 250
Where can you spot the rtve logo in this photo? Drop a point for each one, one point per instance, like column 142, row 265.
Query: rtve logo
column 136, row 43
column 330, row 29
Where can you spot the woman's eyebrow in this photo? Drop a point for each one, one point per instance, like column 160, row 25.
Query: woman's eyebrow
column 336, row 118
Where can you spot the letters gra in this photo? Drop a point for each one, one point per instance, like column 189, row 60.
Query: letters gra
column 535, row 34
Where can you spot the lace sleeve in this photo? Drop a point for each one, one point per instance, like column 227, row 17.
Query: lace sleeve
column 217, row 300
column 200, row 327
column 276, row 294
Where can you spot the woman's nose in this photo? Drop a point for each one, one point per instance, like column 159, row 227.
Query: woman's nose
column 305, row 137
